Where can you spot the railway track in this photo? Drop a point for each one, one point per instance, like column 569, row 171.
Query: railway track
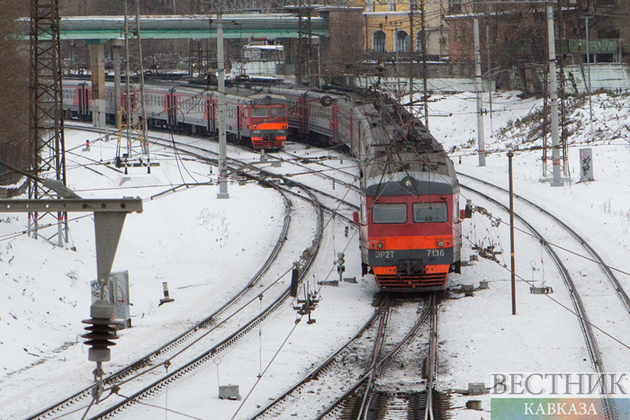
column 195, row 340
column 305, row 160
column 161, row 359
column 251, row 166
column 594, row 256
column 580, row 293
column 358, row 370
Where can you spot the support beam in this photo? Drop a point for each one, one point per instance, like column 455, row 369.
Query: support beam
column 109, row 216
column 97, row 68
column 480, row 126
column 223, row 186
column 117, row 45
column 47, row 144
column 553, row 99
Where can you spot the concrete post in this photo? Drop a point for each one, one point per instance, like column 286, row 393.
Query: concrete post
column 117, row 45
column 553, row 96
column 480, row 127
column 97, row 68
column 223, row 186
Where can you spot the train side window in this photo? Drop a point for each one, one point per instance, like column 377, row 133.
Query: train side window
column 429, row 212
column 259, row 112
column 389, row 213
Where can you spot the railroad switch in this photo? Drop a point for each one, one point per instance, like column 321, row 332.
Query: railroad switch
column 306, row 306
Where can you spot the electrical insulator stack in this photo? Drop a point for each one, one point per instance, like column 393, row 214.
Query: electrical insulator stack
column 101, row 330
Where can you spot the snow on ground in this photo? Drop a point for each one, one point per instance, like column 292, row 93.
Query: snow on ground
column 207, row 248
column 480, row 336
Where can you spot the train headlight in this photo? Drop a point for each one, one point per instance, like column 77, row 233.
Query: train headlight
column 440, row 244
column 380, row 245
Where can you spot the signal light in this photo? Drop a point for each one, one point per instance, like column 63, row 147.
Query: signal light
column 340, row 263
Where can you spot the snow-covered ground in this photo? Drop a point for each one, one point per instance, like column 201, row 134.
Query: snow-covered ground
column 206, row 249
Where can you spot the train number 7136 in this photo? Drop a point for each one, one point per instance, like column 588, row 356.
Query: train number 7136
column 435, row 252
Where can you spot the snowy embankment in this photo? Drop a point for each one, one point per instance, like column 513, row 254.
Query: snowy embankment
column 207, row 248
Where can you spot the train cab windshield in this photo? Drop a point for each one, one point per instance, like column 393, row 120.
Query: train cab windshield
column 264, row 112
column 278, row 112
column 429, row 212
column 389, row 213
column 260, row 112
column 397, row 213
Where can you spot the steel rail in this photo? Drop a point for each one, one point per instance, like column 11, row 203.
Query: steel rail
column 322, row 368
column 298, row 161
column 431, row 362
column 376, row 352
column 183, row 337
column 156, row 386
column 239, row 167
column 619, row 290
column 578, row 305
column 363, row 385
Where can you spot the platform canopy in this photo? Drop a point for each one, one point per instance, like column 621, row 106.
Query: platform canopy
column 103, row 28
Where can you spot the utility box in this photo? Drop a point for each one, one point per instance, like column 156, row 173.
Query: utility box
column 116, row 294
column 586, row 165
column 477, row 388
column 229, row 392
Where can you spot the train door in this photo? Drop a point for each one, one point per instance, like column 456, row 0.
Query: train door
column 84, row 108
column 210, row 115
column 335, row 124
column 239, row 109
column 303, row 115
column 171, row 107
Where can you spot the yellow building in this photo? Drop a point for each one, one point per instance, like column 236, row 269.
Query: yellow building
column 391, row 25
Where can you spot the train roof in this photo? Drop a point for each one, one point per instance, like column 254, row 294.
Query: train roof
column 411, row 183
column 240, row 94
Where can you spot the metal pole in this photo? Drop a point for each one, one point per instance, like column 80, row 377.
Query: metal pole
column 553, row 93
column 489, row 67
column 480, row 128
column 128, row 111
column 117, row 92
column 424, row 65
column 590, row 87
column 223, row 188
column 412, row 9
column 510, row 155
column 397, row 63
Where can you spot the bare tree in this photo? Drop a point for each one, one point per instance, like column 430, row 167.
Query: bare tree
column 14, row 94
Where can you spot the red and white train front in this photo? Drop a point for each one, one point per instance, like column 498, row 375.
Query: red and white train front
column 411, row 236
column 265, row 124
